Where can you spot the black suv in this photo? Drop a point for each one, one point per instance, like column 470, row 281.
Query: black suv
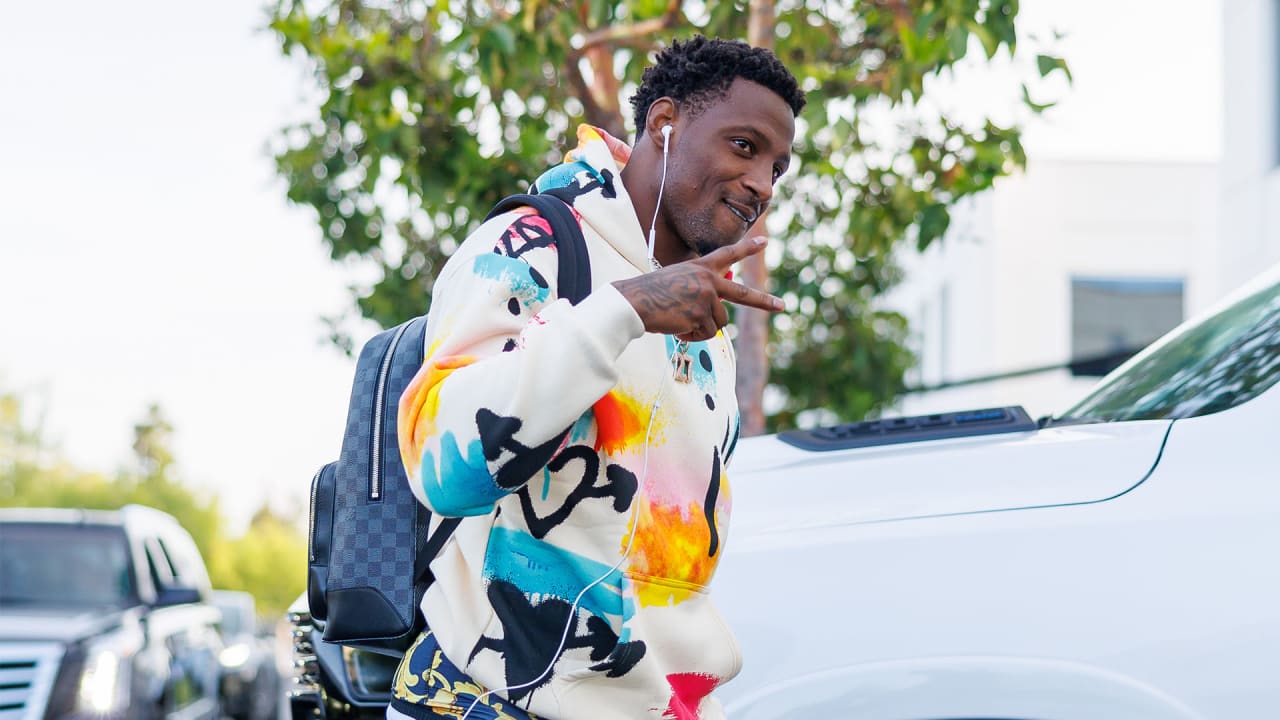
column 104, row 615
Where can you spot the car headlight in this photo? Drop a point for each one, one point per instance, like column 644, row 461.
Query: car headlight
column 234, row 656
column 95, row 675
column 101, row 689
column 105, row 673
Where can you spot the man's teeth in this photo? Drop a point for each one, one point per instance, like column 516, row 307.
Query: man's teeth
column 745, row 219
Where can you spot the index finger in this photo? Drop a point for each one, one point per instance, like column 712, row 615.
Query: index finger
column 722, row 258
column 739, row 294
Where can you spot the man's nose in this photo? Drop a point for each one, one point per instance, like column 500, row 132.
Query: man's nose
column 760, row 184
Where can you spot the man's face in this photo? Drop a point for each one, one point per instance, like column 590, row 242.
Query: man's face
column 724, row 162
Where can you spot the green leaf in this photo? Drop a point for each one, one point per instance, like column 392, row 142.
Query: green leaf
column 1047, row 64
column 909, row 42
column 504, row 39
column 1034, row 106
column 934, row 221
column 990, row 43
column 1000, row 20
column 958, row 42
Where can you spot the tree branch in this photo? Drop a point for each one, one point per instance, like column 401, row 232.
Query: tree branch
column 599, row 100
column 625, row 33
column 596, row 113
column 901, row 9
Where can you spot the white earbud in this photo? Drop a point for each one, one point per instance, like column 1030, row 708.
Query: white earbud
column 666, row 143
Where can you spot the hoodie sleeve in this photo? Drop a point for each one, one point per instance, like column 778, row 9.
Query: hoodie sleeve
column 508, row 370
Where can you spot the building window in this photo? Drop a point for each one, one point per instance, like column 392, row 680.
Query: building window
column 930, row 340
column 1112, row 318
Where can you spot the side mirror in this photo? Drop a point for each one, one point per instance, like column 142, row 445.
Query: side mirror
column 177, row 596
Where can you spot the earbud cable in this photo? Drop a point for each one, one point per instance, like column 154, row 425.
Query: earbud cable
column 666, row 140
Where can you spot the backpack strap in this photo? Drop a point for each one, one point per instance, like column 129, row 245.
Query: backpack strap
column 432, row 548
column 574, row 281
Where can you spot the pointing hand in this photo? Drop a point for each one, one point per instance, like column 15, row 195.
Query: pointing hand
column 687, row 299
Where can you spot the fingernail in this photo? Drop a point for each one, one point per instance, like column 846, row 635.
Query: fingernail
column 759, row 240
column 778, row 304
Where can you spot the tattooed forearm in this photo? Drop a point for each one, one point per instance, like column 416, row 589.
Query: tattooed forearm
column 649, row 296
column 677, row 300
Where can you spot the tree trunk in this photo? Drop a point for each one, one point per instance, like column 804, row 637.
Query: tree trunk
column 605, row 111
column 600, row 99
column 753, row 325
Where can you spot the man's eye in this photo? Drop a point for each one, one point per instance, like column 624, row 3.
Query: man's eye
column 777, row 173
column 744, row 144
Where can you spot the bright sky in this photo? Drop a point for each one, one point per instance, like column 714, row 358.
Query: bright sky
column 147, row 253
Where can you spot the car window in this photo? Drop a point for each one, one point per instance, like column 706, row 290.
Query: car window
column 49, row 564
column 1227, row 359
column 184, row 559
column 161, row 571
column 166, row 556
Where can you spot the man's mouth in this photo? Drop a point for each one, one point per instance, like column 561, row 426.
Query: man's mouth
column 747, row 213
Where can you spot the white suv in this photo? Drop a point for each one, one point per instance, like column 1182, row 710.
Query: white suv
column 1118, row 561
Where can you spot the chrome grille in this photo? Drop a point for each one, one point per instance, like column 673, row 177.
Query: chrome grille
column 26, row 677
column 306, row 668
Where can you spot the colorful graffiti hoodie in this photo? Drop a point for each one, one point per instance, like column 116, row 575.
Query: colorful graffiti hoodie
column 530, row 416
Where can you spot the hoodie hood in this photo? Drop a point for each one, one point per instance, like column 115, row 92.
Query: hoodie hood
column 596, row 163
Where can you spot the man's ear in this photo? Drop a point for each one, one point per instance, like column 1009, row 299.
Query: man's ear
column 662, row 112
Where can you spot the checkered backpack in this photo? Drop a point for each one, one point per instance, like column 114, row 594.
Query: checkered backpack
column 369, row 546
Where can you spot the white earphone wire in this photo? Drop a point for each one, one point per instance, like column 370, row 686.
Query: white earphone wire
column 666, row 141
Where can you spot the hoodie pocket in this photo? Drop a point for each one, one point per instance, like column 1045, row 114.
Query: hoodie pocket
column 531, row 587
column 674, row 652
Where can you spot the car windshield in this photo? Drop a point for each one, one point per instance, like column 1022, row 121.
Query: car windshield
column 1226, row 359
column 57, row 565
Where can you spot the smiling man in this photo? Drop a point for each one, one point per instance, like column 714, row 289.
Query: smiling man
column 587, row 444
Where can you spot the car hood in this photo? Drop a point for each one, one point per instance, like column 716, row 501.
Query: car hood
column 62, row 626
column 778, row 487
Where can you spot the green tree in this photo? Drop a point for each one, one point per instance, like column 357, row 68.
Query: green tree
column 155, row 485
column 269, row 561
column 19, row 447
column 431, row 112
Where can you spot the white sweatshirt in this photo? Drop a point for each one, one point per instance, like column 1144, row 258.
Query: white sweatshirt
column 530, row 416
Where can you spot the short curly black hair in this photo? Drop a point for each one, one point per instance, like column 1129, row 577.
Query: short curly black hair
column 700, row 70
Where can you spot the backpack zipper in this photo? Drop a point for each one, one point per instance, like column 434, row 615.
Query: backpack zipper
column 375, row 474
column 311, row 517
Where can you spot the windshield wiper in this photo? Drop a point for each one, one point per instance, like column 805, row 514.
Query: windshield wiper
column 1051, row 421
column 20, row 600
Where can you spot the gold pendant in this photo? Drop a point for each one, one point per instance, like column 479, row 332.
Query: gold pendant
column 682, row 364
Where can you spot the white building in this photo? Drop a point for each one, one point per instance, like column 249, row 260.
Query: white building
column 1075, row 257
column 1250, row 169
column 1069, row 260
